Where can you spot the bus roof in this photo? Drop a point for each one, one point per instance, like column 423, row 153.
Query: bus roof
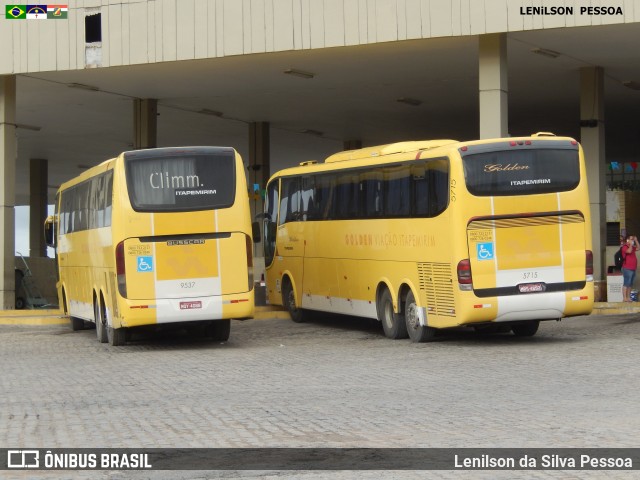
column 381, row 153
column 89, row 173
column 389, row 149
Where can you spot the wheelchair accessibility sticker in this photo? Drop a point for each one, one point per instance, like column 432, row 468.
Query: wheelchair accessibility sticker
column 485, row 251
column 145, row 264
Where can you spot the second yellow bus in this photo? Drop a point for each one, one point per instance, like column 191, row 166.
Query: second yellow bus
column 434, row 234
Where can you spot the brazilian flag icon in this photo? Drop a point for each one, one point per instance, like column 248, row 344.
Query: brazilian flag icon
column 16, row 12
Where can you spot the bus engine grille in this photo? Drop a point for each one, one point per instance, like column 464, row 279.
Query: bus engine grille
column 437, row 284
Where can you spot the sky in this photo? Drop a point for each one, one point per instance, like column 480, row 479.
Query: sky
column 22, row 231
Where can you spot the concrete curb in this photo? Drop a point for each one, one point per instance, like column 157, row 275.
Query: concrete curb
column 56, row 317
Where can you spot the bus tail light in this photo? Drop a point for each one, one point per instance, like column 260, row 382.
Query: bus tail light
column 250, row 260
column 589, row 265
column 465, row 281
column 120, row 270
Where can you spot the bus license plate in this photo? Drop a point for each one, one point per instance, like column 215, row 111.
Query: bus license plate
column 190, row 305
column 531, row 287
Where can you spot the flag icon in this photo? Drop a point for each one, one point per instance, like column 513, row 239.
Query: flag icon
column 16, row 12
column 57, row 12
column 36, row 12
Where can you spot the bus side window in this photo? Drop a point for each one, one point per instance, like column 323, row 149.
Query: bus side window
column 290, row 203
column 309, row 210
column 324, row 194
column 346, row 205
column 108, row 198
column 397, row 192
column 438, row 186
column 371, row 184
column 95, row 188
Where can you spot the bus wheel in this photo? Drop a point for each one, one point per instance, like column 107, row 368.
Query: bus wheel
column 417, row 333
column 117, row 336
column 393, row 324
column 219, row 330
column 526, row 329
column 20, row 303
column 289, row 302
column 101, row 327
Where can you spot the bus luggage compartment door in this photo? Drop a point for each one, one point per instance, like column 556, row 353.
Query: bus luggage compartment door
column 511, row 256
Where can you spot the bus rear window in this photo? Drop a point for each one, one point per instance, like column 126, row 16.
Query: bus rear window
column 521, row 171
column 188, row 181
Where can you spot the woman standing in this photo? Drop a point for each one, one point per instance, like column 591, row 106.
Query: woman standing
column 629, row 265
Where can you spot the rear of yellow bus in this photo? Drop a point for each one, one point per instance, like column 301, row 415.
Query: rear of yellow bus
column 522, row 211
column 182, row 238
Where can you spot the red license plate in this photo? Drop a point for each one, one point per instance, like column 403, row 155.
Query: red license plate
column 531, row 287
column 190, row 305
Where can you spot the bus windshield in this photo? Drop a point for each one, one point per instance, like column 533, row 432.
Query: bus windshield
column 180, row 182
column 521, row 171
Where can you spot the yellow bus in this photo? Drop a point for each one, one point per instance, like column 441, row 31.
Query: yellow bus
column 157, row 236
column 427, row 235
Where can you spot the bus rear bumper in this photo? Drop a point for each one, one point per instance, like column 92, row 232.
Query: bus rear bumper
column 533, row 306
column 169, row 310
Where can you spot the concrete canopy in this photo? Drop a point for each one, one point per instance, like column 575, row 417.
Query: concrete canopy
column 353, row 95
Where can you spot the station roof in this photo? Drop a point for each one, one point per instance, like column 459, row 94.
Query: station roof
column 355, row 94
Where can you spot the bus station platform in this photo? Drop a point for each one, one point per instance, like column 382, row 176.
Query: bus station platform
column 56, row 317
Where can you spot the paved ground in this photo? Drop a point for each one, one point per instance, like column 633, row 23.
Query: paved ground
column 335, row 382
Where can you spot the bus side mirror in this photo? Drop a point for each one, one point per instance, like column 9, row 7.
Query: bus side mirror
column 255, row 227
column 49, row 232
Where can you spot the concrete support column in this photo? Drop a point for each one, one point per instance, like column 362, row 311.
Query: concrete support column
column 258, row 174
column 145, row 123
column 38, row 180
column 8, row 154
column 259, row 161
column 494, row 92
column 592, row 140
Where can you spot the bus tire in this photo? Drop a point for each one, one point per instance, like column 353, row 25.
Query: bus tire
column 101, row 327
column 20, row 303
column 116, row 336
column 219, row 330
column 393, row 324
column 289, row 302
column 417, row 333
column 525, row 329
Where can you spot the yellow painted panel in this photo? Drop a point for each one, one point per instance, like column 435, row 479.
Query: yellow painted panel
column 233, row 263
column 528, row 247
column 186, row 261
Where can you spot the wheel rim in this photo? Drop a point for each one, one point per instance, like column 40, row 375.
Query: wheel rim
column 413, row 321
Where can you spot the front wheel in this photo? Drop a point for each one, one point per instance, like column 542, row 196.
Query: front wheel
column 417, row 333
column 289, row 302
column 526, row 329
column 393, row 324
